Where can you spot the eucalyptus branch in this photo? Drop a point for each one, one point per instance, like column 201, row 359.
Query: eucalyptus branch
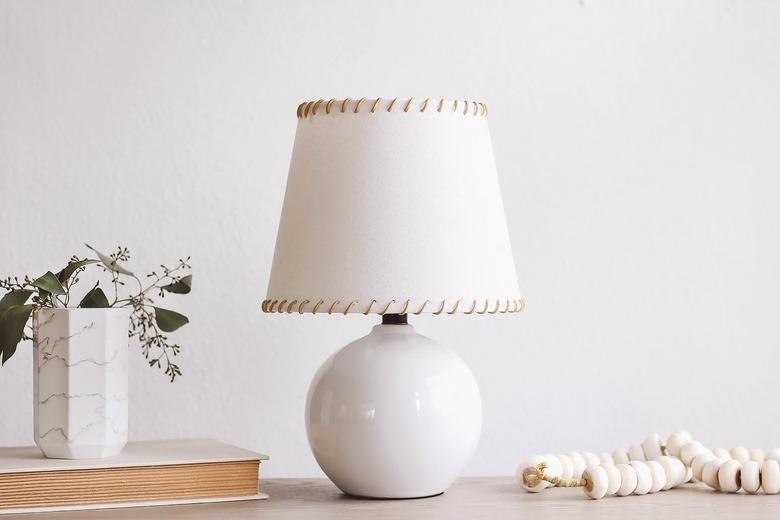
column 149, row 324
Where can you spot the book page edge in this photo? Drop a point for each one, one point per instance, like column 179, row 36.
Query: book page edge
column 119, row 505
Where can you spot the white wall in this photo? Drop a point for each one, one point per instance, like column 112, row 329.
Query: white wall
column 638, row 145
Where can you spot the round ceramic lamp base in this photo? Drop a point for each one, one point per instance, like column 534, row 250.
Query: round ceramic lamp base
column 393, row 415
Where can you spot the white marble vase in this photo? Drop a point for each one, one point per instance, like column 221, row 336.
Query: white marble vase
column 80, row 382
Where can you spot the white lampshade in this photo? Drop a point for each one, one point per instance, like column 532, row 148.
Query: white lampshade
column 393, row 206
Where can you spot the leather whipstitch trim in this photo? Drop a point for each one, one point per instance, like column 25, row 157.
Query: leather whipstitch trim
column 310, row 108
column 344, row 307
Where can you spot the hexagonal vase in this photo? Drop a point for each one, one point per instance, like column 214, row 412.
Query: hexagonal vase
column 80, row 382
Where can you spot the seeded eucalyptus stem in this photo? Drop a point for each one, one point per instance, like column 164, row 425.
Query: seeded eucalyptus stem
column 148, row 323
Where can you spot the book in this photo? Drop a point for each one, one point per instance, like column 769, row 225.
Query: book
column 145, row 473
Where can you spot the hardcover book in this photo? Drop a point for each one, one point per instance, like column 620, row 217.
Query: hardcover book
column 145, row 473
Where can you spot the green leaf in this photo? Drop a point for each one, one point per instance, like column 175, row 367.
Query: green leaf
column 49, row 283
column 109, row 262
column 17, row 297
column 94, row 299
column 168, row 321
column 183, row 286
column 66, row 273
column 12, row 322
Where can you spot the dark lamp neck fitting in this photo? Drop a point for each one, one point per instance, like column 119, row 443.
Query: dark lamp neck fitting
column 394, row 319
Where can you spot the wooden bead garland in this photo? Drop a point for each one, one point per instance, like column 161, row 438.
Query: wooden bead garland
column 652, row 466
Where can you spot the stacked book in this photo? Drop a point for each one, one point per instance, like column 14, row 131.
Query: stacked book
column 146, row 473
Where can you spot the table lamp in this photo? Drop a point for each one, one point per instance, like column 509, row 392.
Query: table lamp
column 393, row 207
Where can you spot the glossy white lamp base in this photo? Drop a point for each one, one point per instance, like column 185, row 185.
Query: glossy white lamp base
column 393, row 415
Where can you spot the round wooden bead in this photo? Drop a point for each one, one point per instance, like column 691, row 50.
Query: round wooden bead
column 689, row 450
column 528, row 467
column 613, row 476
column 751, row 476
column 698, row 462
column 721, row 453
column 740, row 453
column 627, row 480
column 709, row 474
column 644, row 479
column 676, row 441
column 567, row 466
column 773, row 454
column 636, row 452
column 757, row 455
column 596, row 481
column 674, row 469
column 658, row 474
column 554, row 465
column 591, row 459
column 681, row 471
column 620, row 456
column 578, row 463
column 730, row 476
column 606, row 459
column 770, row 477
column 652, row 447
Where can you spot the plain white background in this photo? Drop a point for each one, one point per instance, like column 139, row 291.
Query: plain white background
column 638, row 146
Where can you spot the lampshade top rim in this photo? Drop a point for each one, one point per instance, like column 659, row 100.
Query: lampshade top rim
column 379, row 105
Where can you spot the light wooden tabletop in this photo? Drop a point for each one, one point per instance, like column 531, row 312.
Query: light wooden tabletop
column 469, row 498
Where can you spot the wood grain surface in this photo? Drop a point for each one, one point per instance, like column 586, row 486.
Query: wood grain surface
column 468, row 499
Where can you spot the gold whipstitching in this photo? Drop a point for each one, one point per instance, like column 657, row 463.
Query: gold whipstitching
column 346, row 311
column 384, row 311
column 422, row 308
column 357, row 107
column 312, row 107
column 285, row 305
